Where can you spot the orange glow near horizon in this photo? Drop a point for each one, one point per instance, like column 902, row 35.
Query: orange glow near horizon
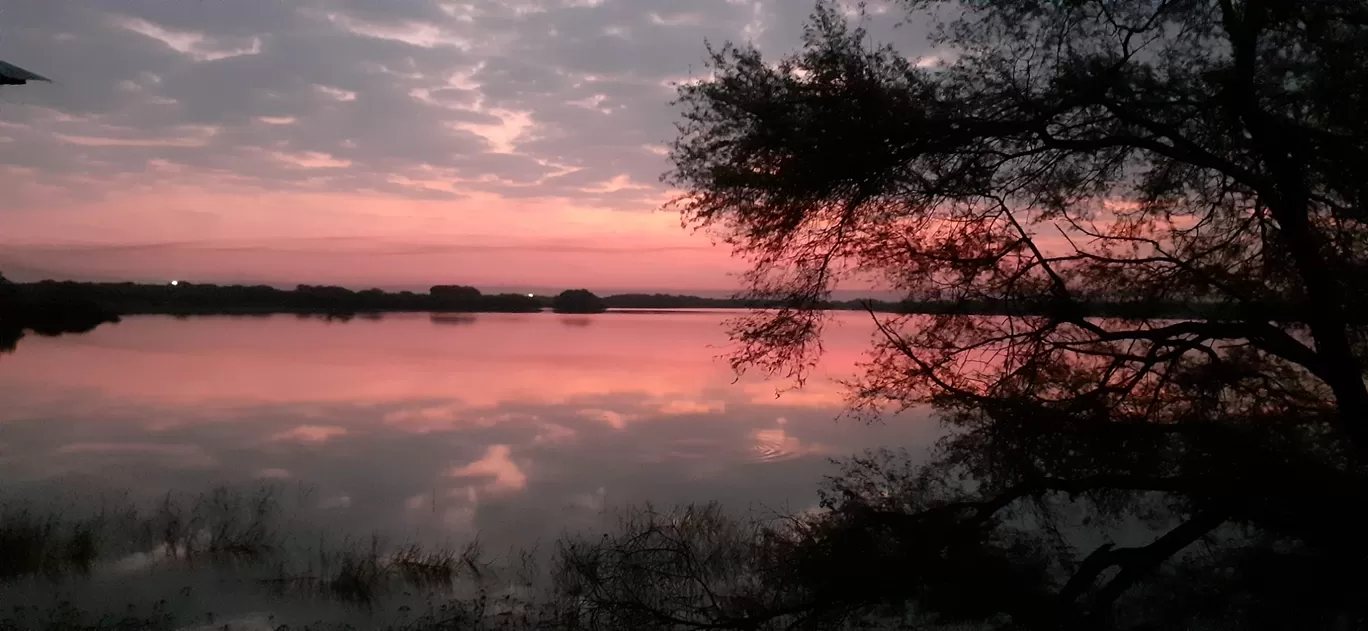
column 317, row 238
column 233, row 234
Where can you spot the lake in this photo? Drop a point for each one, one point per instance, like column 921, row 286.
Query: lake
column 512, row 429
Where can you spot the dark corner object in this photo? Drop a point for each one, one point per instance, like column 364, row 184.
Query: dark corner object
column 11, row 74
column 22, row 311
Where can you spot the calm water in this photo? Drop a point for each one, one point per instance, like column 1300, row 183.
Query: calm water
column 514, row 428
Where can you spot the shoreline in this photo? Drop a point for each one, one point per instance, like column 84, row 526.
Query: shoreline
column 59, row 307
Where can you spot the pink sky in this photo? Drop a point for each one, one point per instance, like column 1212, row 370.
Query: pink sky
column 363, row 143
column 287, row 237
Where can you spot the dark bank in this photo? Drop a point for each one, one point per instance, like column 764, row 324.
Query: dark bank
column 54, row 307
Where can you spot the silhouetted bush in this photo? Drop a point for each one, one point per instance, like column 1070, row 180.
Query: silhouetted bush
column 578, row 301
column 455, row 292
column 207, row 299
column 46, row 309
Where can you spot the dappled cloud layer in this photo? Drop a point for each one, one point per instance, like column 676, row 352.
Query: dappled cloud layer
column 520, row 142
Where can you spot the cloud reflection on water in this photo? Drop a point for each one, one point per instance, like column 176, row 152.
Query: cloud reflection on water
column 514, row 427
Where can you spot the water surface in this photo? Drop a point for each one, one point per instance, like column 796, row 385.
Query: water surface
column 512, row 428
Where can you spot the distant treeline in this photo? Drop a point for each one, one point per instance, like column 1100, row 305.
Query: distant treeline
column 52, row 307
column 22, row 309
column 1085, row 308
column 207, row 299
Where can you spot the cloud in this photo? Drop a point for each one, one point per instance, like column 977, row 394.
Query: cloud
column 498, row 467
column 310, row 434
column 615, row 420
column 684, row 407
column 776, row 444
column 386, row 89
column 234, row 112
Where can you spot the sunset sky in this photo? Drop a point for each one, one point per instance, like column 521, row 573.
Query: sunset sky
column 361, row 142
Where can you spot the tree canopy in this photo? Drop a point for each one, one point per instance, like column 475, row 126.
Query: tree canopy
column 578, row 301
column 1189, row 151
column 455, row 292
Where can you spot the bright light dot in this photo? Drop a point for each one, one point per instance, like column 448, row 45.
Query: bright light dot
column 530, row 296
column 174, row 283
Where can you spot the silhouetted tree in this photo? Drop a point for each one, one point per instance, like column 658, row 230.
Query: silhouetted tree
column 1199, row 152
column 455, row 292
column 9, row 337
column 9, row 294
column 11, row 331
column 455, row 297
column 578, row 301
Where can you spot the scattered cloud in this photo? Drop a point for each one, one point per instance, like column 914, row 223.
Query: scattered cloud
column 778, row 444
column 498, row 467
column 676, row 407
column 310, row 434
column 615, row 420
column 181, row 119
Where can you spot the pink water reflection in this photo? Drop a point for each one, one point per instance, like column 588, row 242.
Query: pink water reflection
column 512, row 422
column 487, row 360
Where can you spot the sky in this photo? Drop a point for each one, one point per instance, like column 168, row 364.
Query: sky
column 389, row 143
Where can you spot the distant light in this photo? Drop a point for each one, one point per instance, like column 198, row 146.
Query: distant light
column 174, row 283
column 530, row 296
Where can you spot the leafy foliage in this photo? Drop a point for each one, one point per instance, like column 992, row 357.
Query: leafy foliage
column 1209, row 152
column 578, row 301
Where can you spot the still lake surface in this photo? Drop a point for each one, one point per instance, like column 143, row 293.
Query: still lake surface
column 510, row 428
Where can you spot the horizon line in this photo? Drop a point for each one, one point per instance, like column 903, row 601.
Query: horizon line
column 541, row 290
